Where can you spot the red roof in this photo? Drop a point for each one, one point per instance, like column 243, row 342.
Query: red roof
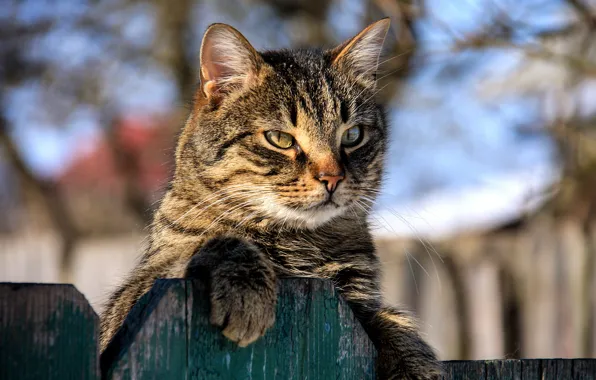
column 146, row 140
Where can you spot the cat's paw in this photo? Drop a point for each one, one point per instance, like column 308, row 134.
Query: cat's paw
column 243, row 307
column 415, row 366
column 243, row 287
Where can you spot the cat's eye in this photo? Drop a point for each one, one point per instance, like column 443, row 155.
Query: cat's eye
column 352, row 137
column 279, row 139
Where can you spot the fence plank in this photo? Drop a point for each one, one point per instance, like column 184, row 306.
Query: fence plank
column 47, row 332
column 503, row 370
column 315, row 336
column 559, row 369
column 532, row 369
column 465, row 370
column 153, row 341
column 584, row 369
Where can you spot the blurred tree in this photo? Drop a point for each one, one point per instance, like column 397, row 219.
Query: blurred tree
column 306, row 19
column 556, row 65
column 16, row 68
column 173, row 45
column 86, row 81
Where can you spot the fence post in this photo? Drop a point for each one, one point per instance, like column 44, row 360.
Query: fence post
column 315, row 336
column 47, row 332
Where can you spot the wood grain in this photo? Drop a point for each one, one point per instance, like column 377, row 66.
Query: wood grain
column 168, row 335
column 315, row 336
column 152, row 344
column 50, row 332
column 47, row 332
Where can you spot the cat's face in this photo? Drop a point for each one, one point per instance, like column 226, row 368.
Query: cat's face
column 295, row 136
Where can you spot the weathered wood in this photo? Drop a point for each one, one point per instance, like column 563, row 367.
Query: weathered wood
column 315, row 336
column 558, row 369
column 503, row 369
column 152, row 344
column 531, row 369
column 465, row 370
column 50, row 332
column 547, row 369
column 47, row 332
column 584, row 369
column 525, row 369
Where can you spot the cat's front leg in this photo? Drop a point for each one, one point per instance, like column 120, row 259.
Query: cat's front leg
column 242, row 286
column 403, row 354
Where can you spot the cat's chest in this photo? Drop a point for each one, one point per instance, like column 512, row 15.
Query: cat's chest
column 304, row 252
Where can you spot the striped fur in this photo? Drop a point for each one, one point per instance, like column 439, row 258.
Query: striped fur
column 242, row 213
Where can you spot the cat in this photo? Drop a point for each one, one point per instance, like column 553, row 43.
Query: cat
column 277, row 168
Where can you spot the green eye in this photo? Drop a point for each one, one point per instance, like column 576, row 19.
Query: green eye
column 279, row 139
column 352, row 137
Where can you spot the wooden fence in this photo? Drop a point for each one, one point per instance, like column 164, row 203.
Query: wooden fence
column 50, row 332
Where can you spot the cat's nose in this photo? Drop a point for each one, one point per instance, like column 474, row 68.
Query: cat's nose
column 331, row 180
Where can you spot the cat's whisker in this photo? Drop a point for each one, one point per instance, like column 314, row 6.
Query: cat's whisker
column 216, row 194
column 405, row 52
column 389, row 73
column 371, row 97
column 230, row 195
column 428, row 246
column 420, row 265
column 246, row 218
column 385, row 225
column 412, row 270
column 223, row 215
column 373, row 68
column 368, row 199
column 357, row 203
column 425, row 242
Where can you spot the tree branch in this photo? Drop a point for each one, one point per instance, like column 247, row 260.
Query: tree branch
column 53, row 202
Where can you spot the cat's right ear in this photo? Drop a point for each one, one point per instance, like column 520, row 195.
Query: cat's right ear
column 228, row 61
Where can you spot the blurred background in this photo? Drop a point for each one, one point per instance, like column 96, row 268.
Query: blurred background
column 487, row 223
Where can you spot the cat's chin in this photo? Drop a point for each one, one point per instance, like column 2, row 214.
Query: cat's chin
column 310, row 218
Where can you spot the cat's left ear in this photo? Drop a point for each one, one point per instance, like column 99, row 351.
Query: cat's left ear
column 360, row 54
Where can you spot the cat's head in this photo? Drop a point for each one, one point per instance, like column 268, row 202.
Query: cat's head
column 293, row 135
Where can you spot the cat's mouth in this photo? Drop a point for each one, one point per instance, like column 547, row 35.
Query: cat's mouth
column 324, row 204
column 328, row 202
column 306, row 215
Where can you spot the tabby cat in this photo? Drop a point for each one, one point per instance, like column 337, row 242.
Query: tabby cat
column 276, row 170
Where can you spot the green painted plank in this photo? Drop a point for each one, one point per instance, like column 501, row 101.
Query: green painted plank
column 315, row 336
column 584, row 369
column 47, row 332
column 152, row 342
column 465, row 370
column 168, row 336
column 503, row 370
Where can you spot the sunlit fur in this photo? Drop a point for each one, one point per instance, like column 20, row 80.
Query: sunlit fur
column 232, row 188
column 228, row 147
